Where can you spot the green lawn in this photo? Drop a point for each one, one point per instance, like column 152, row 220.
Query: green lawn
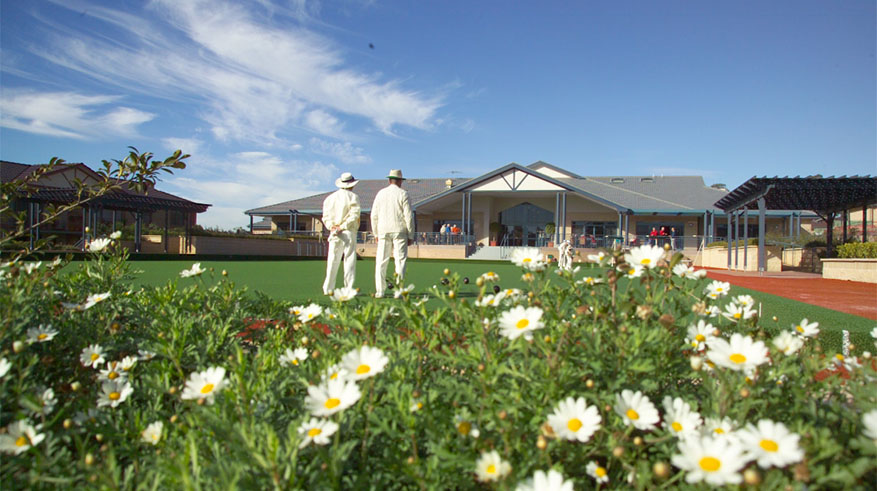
column 300, row 281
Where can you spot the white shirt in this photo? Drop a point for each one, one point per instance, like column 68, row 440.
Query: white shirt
column 342, row 208
column 391, row 212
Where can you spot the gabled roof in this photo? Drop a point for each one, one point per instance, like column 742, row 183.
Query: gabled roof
column 644, row 194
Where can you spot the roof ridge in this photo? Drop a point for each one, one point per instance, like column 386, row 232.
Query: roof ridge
column 641, row 194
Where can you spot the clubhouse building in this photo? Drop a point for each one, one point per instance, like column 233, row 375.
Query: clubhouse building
column 541, row 205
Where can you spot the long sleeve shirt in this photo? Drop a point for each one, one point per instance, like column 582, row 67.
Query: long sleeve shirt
column 342, row 208
column 391, row 212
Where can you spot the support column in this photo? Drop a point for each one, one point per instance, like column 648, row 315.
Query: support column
column 864, row 224
column 736, row 239
column 829, row 234
column 84, row 224
column 251, row 224
column 469, row 228
column 138, row 230
column 291, row 227
column 556, row 216
column 798, row 226
column 627, row 229
column 295, row 222
column 844, row 221
column 564, row 217
column 167, row 213
column 762, row 257
column 729, row 238
column 620, row 226
column 745, row 238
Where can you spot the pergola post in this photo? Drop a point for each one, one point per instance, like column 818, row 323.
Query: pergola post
column 167, row 213
column 829, row 233
column 627, row 229
column 563, row 223
column 864, row 224
column 727, row 212
column 844, row 221
column 251, row 224
column 138, row 224
column 745, row 238
column 762, row 257
column 469, row 227
column 556, row 217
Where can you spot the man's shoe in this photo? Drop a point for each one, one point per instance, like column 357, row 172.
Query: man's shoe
column 378, row 295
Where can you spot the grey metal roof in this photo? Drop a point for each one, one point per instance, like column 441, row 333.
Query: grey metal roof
column 418, row 190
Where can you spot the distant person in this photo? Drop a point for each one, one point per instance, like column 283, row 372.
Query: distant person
column 444, row 233
column 341, row 216
column 564, row 256
column 653, row 236
column 673, row 240
column 393, row 225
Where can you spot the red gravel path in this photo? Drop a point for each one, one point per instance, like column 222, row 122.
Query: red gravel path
column 852, row 297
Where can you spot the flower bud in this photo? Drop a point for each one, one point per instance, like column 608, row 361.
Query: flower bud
column 589, row 384
column 67, row 424
column 696, row 363
column 617, row 452
column 174, row 418
column 744, row 392
column 172, row 390
column 224, row 273
column 541, row 443
column 17, row 346
column 481, row 367
column 643, row 311
column 666, row 320
column 547, row 339
column 638, row 441
column 479, row 281
column 89, row 459
column 75, row 386
column 447, row 271
column 852, row 347
column 99, row 437
column 452, row 295
column 751, row 477
column 661, row 470
column 410, row 460
column 866, row 355
column 503, row 414
column 415, row 394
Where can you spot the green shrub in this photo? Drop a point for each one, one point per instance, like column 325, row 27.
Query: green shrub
column 457, row 382
column 858, row 250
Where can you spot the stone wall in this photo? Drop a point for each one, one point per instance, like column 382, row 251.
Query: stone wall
column 717, row 257
column 864, row 270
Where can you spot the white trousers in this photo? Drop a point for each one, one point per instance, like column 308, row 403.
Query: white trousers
column 399, row 243
column 340, row 243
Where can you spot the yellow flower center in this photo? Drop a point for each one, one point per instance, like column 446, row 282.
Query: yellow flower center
column 208, row 388
column 314, row 432
column 155, row 436
column 710, row 464
column 737, row 358
column 42, row 336
column 295, row 362
column 676, row 426
column 719, row 431
column 646, row 261
column 362, row 369
column 700, row 337
column 94, row 356
column 525, row 261
column 632, row 271
column 719, row 290
column 464, row 428
column 333, row 376
column 632, row 414
column 738, row 315
column 113, row 375
column 769, row 445
column 839, row 357
column 114, row 396
column 21, row 441
column 522, row 323
column 491, row 469
column 799, row 329
column 600, row 471
column 332, row 403
column 574, row 425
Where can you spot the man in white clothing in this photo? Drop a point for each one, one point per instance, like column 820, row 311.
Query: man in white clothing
column 341, row 217
column 564, row 253
column 393, row 225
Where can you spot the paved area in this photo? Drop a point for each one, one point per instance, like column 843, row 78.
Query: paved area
column 851, row 297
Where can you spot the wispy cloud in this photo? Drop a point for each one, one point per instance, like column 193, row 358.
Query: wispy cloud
column 68, row 114
column 344, row 152
column 257, row 78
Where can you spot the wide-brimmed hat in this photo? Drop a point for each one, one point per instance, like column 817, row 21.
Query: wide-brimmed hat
column 346, row 181
column 395, row 174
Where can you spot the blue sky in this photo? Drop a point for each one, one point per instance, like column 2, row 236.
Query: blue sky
column 274, row 99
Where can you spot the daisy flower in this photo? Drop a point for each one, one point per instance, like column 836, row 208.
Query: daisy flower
column 343, row 294
column 204, row 384
column 744, row 300
column 145, row 355
column 598, row 257
column 490, row 467
column 788, row 343
column 92, row 356
column 127, row 363
column 113, row 371
column 679, row 419
column 874, row 333
column 415, row 406
column 688, row 272
column 771, row 444
column 741, row 353
column 29, row 268
column 296, row 310
column 195, row 270
column 95, row 299
column 335, row 372
column 115, row 235
column 40, row 334
column 735, row 312
column 490, row 276
column 291, row 357
column 310, row 312
column 317, row 431
column 113, row 393
column 645, row 256
column 724, row 427
column 716, row 461
column 597, row 471
column 520, row 320
column 869, row 421
column 152, row 433
column 589, row 280
column 528, row 258
column 466, row 427
column 19, row 437
column 636, row 409
column 512, row 294
column 717, row 289
column 807, row 329
column 4, row 367
column 46, row 400
column 98, row 245
column 634, row 271
column 546, row 481
column 403, row 292
column 849, row 363
column 331, row 397
column 573, row 419
column 700, row 334
column 364, row 362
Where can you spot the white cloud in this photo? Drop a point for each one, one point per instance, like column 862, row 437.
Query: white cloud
column 191, row 146
column 68, row 114
column 257, row 78
column 345, row 152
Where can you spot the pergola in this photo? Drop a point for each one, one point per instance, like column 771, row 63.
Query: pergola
column 826, row 196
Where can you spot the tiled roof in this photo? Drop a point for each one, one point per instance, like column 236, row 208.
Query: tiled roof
column 418, row 190
column 652, row 193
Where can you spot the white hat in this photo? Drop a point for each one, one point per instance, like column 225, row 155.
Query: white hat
column 395, row 174
column 346, row 181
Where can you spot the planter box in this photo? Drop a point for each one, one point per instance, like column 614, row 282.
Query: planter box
column 864, row 270
column 717, row 257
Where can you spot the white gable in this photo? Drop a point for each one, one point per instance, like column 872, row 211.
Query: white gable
column 550, row 172
column 516, row 180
